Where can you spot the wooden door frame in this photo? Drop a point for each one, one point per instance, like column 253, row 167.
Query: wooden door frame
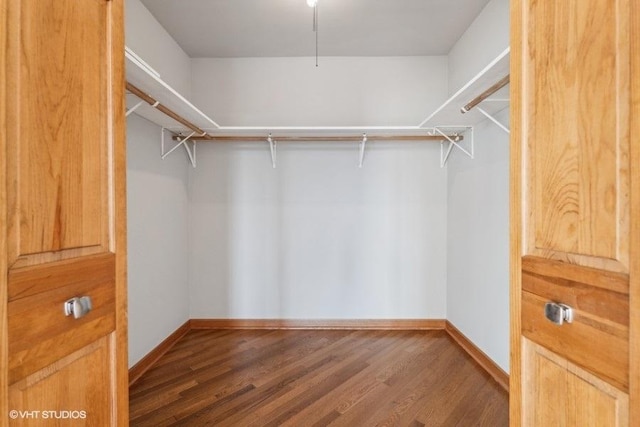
column 4, row 352
column 634, row 279
column 121, row 369
column 515, row 216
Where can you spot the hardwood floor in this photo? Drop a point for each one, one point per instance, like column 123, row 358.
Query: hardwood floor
column 317, row 378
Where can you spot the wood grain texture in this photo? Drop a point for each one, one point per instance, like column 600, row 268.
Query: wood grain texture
column 92, row 270
column 118, row 224
column 34, row 390
column 579, row 292
column 596, row 345
column 577, row 87
column 58, row 199
column 63, row 193
column 579, row 397
column 516, row 119
column 312, row 377
column 152, row 357
column 4, row 351
column 634, row 244
column 572, row 207
column 501, row 377
column 561, row 271
column 377, row 324
column 39, row 333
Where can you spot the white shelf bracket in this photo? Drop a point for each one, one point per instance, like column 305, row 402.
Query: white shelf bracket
column 272, row 147
column 493, row 119
column 363, row 145
column 453, row 142
column 191, row 152
column 134, row 108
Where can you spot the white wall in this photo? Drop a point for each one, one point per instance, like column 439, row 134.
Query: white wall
column 149, row 40
column 344, row 91
column 483, row 41
column 157, row 239
column 478, row 203
column 317, row 237
column 478, row 242
column 157, row 200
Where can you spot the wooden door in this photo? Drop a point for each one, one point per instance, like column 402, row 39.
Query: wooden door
column 62, row 213
column 575, row 212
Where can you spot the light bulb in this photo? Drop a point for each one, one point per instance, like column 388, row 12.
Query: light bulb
column 312, row 3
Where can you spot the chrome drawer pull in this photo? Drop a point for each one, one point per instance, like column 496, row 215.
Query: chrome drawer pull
column 558, row 313
column 78, row 307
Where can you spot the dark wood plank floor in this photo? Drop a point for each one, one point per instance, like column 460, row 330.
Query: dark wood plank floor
column 317, row 378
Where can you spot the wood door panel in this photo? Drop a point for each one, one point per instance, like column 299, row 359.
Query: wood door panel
column 93, row 270
column 39, row 332
column 87, row 386
column 58, row 196
column 578, row 191
column 597, row 345
column 545, row 373
column 566, row 395
column 586, row 290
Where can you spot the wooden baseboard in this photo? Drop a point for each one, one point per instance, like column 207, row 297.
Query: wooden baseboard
column 136, row 371
column 378, row 324
column 478, row 355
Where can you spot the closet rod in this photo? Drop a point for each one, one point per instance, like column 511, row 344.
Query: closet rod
column 346, row 138
column 156, row 104
column 487, row 93
column 201, row 135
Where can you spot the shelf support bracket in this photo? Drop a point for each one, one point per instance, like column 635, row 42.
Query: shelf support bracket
column 272, row 148
column 453, row 142
column 363, row 145
column 134, row 108
column 191, row 152
column 494, row 120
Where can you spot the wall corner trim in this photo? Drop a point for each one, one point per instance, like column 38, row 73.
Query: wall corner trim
column 144, row 364
column 501, row 377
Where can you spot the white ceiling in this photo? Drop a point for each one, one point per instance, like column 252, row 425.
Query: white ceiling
column 263, row 28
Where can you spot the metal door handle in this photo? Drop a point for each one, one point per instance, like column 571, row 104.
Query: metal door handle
column 558, row 313
column 78, row 307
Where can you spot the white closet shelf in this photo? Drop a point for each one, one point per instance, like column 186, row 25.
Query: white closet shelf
column 154, row 99
column 449, row 113
column 145, row 78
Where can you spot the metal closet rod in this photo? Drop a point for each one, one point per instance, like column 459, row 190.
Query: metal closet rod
column 487, row 93
column 156, row 104
column 333, row 138
column 201, row 135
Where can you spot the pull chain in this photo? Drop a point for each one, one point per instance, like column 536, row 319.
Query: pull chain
column 315, row 28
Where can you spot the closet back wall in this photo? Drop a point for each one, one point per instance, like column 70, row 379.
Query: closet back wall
column 317, row 237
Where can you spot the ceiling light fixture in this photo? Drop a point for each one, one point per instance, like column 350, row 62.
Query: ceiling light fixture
column 312, row 3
